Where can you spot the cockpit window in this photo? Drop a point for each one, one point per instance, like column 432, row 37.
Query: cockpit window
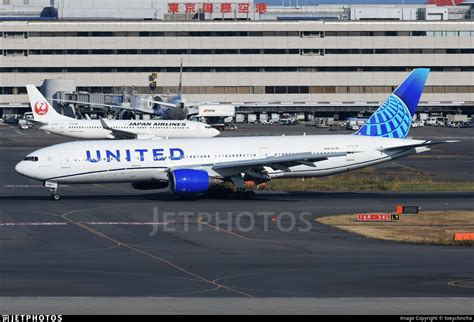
column 33, row 159
column 208, row 126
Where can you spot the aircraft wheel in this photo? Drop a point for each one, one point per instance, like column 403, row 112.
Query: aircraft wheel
column 245, row 195
column 55, row 197
column 250, row 195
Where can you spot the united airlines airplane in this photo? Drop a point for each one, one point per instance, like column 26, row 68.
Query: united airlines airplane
column 195, row 166
column 47, row 119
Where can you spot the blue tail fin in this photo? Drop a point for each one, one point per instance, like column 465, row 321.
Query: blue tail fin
column 393, row 118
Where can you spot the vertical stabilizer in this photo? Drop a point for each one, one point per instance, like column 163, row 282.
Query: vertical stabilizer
column 393, row 118
column 42, row 110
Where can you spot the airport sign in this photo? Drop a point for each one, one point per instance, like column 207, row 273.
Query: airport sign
column 225, row 7
column 377, row 217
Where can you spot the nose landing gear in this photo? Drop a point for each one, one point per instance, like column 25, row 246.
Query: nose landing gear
column 53, row 189
column 54, row 195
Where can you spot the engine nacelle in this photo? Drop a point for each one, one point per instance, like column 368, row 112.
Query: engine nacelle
column 189, row 181
column 150, row 185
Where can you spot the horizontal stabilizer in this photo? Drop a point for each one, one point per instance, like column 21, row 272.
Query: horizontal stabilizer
column 417, row 145
column 38, row 123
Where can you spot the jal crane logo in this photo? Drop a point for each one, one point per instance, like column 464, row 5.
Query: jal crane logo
column 41, row 108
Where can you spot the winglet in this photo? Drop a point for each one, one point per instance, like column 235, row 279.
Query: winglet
column 104, row 124
column 117, row 134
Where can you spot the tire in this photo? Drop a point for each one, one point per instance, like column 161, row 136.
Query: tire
column 250, row 195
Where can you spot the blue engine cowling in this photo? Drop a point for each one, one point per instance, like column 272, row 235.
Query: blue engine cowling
column 189, row 181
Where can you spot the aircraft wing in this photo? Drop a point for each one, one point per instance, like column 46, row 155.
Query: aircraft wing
column 120, row 107
column 118, row 134
column 417, row 145
column 276, row 163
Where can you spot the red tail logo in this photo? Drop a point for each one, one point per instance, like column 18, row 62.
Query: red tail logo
column 41, row 108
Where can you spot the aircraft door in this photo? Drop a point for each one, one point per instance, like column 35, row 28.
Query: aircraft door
column 263, row 153
column 350, row 153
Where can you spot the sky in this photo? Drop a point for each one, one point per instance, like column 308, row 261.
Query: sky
column 312, row 2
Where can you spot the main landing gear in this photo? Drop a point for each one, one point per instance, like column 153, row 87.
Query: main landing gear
column 241, row 191
column 246, row 195
column 235, row 189
column 53, row 188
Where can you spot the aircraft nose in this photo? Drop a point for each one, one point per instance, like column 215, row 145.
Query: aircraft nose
column 215, row 132
column 20, row 167
column 24, row 169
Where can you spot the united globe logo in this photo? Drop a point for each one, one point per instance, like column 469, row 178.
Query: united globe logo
column 392, row 120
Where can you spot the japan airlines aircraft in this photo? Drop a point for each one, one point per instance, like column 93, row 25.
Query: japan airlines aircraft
column 194, row 166
column 47, row 119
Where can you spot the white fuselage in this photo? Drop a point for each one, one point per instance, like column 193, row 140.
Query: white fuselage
column 144, row 160
column 93, row 129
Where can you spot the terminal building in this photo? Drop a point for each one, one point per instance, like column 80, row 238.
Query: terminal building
column 314, row 59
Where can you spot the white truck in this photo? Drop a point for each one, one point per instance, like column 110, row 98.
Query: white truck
column 23, row 123
column 355, row 123
column 251, row 118
column 436, row 121
column 457, row 117
column 218, row 116
column 239, row 118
